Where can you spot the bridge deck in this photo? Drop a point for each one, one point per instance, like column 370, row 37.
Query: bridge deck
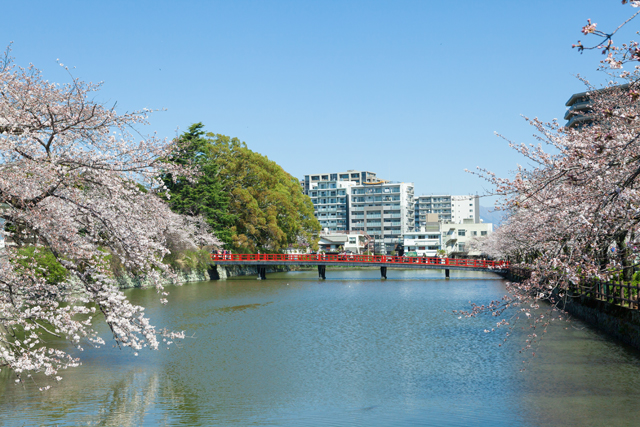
column 361, row 261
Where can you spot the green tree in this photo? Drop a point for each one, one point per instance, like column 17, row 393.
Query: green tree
column 264, row 207
column 205, row 196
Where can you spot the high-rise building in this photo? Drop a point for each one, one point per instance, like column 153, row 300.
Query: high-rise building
column 384, row 211
column 357, row 177
column 331, row 204
column 579, row 105
column 449, row 208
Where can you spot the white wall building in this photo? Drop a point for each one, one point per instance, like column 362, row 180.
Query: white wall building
column 465, row 207
column 457, row 237
column 384, row 211
column 450, row 237
column 355, row 243
column 421, row 243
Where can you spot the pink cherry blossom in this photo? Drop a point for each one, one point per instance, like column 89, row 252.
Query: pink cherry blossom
column 78, row 180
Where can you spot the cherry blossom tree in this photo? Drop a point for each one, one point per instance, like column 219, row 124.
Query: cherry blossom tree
column 574, row 212
column 78, row 181
column 616, row 55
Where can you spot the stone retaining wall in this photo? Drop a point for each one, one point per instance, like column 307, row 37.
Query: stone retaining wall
column 215, row 272
column 618, row 322
column 223, row 272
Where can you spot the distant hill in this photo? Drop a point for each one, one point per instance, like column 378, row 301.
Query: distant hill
column 491, row 215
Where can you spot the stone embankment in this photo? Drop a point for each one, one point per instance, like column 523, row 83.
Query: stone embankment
column 618, row 322
column 214, row 272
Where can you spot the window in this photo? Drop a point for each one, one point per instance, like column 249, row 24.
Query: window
column 475, row 233
column 483, row 233
column 461, row 232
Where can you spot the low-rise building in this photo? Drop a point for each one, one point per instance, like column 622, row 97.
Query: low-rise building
column 426, row 241
column 453, row 239
column 353, row 242
column 456, row 238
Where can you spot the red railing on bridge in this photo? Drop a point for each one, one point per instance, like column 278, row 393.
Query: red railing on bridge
column 374, row 259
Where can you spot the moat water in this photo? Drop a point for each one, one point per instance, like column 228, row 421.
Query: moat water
column 353, row 350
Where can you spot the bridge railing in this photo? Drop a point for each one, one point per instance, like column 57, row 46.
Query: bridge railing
column 377, row 259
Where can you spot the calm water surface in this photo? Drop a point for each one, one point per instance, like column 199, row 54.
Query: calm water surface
column 349, row 351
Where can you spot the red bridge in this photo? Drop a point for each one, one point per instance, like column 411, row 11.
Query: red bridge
column 261, row 261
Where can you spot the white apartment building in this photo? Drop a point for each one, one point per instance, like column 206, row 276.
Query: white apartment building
column 331, row 204
column 357, row 177
column 448, row 208
column 384, row 211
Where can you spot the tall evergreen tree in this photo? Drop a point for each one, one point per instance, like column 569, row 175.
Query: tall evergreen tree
column 204, row 196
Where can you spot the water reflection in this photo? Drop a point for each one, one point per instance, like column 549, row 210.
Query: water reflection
column 352, row 350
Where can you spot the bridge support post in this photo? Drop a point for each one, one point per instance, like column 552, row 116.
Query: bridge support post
column 322, row 270
column 383, row 272
column 262, row 272
column 446, row 273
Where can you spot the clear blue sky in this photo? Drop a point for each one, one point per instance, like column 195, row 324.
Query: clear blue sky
column 412, row 90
